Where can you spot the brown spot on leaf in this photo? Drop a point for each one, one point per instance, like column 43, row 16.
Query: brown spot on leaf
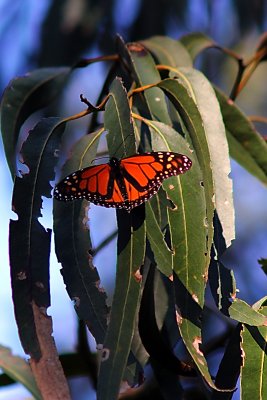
column 21, row 275
column 179, row 318
column 137, row 48
column 195, row 298
column 196, row 343
column 138, row 276
column 40, row 286
column 105, row 354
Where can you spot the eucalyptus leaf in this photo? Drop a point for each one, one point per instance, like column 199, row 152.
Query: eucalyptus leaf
column 19, row 370
column 131, row 249
column 23, row 96
column 168, row 51
column 73, row 246
column 29, row 241
column 246, row 145
column 192, row 119
column 143, row 67
column 196, row 42
column 210, row 112
column 243, row 312
column 253, row 383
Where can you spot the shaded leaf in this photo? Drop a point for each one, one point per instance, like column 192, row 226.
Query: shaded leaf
column 230, row 365
column 29, row 241
column 19, row 370
column 22, row 97
column 263, row 264
column 73, row 246
column 243, row 312
column 168, row 51
column 246, row 145
column 222, row 284
column 253, row 381
column 162, row 254
column 158, row 347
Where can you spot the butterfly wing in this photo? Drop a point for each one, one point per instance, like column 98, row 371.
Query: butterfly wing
column 125, row 184
column 93, row 183
column 143, row 174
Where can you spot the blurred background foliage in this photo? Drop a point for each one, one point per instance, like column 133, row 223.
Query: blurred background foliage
column 43, row 33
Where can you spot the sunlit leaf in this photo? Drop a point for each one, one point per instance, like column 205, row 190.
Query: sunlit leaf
column 246, row 145
column 253, row 382
column 192, row 119
column 243, row 312
column 210, row 112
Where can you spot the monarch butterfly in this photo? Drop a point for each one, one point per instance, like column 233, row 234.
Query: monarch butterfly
column 124, row 183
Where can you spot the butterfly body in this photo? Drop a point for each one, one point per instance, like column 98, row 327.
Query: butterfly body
column 124, row 183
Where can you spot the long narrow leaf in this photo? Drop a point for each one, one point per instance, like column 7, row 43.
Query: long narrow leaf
column 168, row 51
column 143, row 67
column 131, row 247
column 29, row 240
column 210, row 112
column 18, row 369
column 23, row 96
column 73, row 246
column 246, row 145
column 254, row 370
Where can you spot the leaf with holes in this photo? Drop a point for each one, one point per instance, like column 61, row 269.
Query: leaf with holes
column 23, row 96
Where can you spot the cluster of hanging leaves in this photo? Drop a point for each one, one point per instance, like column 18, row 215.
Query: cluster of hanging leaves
column 167, row 250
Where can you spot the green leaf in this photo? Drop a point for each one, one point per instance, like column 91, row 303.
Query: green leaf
column 143, row 67
column 192, row 119
column 188, row 301
column 131, row 248
column 195, row 43
column 29, row 241
column 19, row 370
column 23, row 96
column 168, row 51
column 188, row 239
column 253, row 381
column 73, row 246
column 210, row 112
column 162, row 254
column 246, row 145
column 187, row 219
column 117, row 121
column 243, row 312
column 256, row 306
